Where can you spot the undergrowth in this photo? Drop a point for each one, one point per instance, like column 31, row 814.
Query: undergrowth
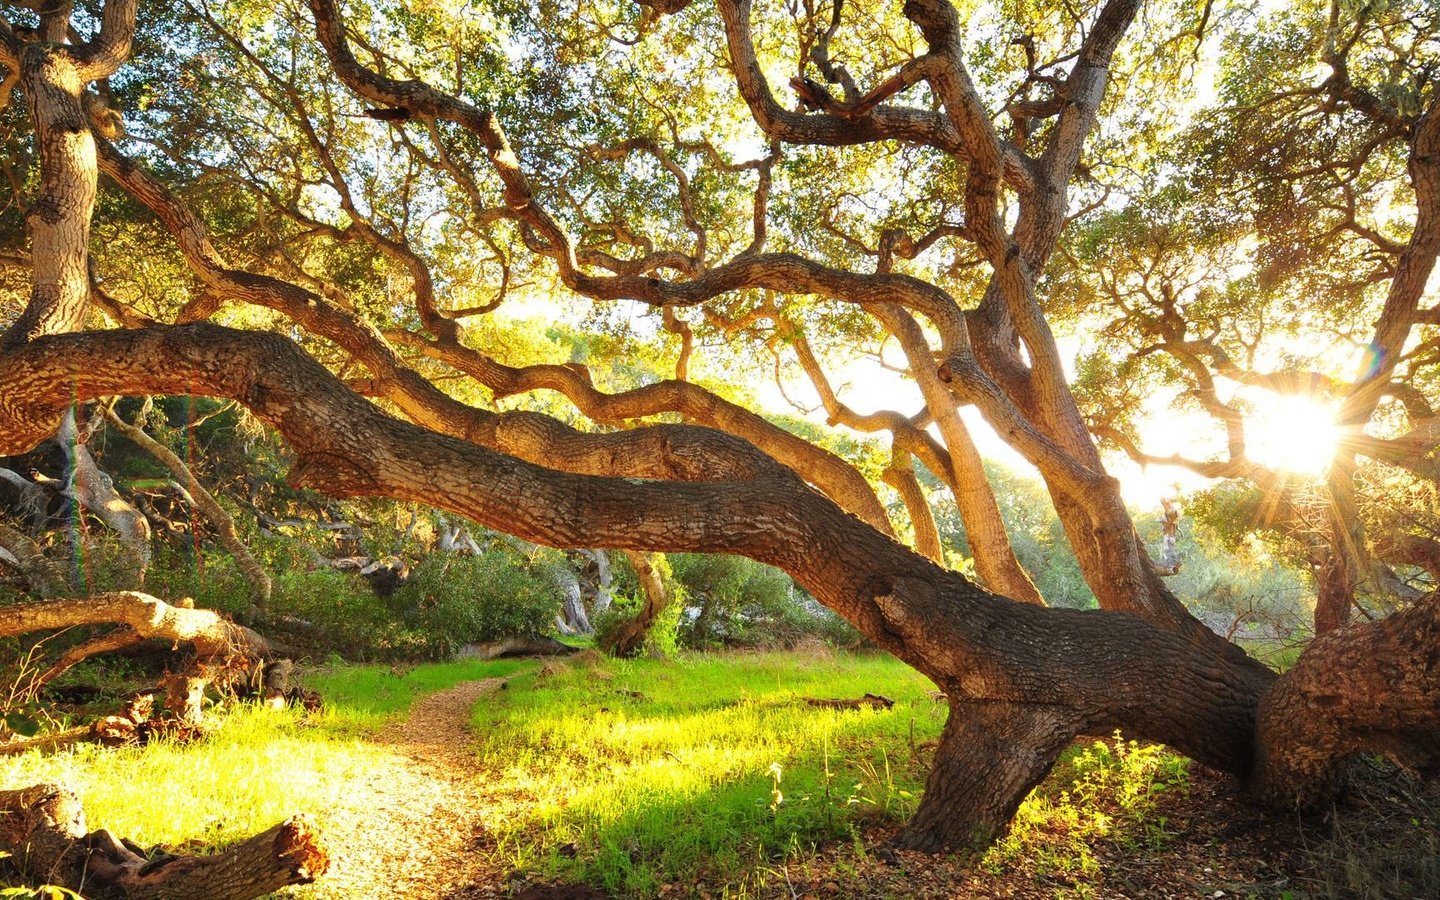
column 256, row 767
column 631, row 774
column 1104, row 792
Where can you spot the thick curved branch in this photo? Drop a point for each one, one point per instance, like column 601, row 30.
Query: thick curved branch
column 106, row 53
column 901, row 477
column 663, row 453
column 828, row 472
column 933, row 619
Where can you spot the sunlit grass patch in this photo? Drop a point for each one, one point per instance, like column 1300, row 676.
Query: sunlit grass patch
column 256, row 767
column 633, row 774
column 370, row 695
column 1103, row 792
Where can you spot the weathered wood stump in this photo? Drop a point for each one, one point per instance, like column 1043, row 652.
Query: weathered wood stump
column 43, row 829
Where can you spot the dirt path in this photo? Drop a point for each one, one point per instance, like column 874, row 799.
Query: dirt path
column 416, row 831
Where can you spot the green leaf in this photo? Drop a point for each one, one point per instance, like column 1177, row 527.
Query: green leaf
column 22, row 724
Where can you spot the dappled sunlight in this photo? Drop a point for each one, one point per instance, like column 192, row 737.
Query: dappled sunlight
column 634, row 771
column 258, row 767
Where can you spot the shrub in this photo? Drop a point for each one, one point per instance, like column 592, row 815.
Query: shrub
column 461, row 600
column 214, row 583
column 738, row 602
column 344, row 615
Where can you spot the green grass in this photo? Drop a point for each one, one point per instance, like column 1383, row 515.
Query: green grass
column 1104, row 792
column 716, row 771
column 256, row 768
column 628, row 775
column 369, row 696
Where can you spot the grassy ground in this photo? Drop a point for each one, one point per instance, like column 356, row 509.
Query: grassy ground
column 632, row 775
column 645, row 776
column 257, row 767
column 709, row 776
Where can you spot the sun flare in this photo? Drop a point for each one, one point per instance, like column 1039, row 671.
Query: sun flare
column 1294, row 434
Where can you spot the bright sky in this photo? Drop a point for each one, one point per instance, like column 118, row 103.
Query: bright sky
column 866, row 386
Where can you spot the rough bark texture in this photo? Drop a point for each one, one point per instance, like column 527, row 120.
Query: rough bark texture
column 1370, row 687
column 43, row 828
column 989, row 758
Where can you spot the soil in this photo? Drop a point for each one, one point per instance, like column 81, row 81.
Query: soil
column 420, row 834
column 419, row 837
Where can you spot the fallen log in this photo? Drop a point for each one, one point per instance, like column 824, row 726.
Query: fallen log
column 43, row 829
column 869, row 701
column 516, row 646
column 211, row 634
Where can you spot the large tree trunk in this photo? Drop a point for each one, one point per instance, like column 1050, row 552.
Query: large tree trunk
column 988, row 760
column 59, row 220
column 43, row 829
column 1370, row 687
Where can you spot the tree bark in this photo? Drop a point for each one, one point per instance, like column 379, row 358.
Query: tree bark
column 1367, row 687
column 573, row 618
column 43, row 828
column 900, row 476
column 212, row 636
column 59, row 219
column 628, row 639
column 988, row 760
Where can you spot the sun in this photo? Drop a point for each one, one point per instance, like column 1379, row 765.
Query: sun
column 1291, row 433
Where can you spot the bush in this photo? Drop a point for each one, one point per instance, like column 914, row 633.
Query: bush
column 741, row 603
column 344, row 615
column 215, row 583
column 462, row 600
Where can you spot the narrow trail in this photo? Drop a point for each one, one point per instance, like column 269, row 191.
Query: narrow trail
column 420, row 827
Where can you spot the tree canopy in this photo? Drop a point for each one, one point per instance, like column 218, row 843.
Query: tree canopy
column 1062, row 215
